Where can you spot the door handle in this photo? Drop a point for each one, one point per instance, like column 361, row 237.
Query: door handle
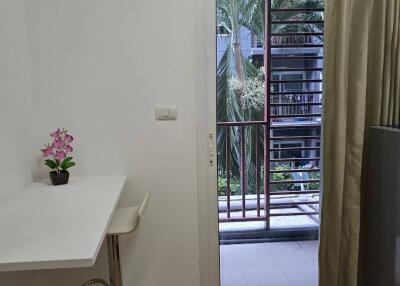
column 211, row 149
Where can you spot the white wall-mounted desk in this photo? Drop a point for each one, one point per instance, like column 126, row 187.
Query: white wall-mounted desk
column 49, row 227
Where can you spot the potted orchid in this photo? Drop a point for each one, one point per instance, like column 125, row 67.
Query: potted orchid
column 56, row 153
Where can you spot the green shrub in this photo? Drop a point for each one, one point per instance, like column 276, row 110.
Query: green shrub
column 222, row 185
column 235, row 182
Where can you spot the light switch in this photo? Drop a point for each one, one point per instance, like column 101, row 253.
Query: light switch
column 166, row 112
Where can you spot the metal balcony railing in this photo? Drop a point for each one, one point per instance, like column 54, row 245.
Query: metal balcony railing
column 275, row 163
column 254, row 202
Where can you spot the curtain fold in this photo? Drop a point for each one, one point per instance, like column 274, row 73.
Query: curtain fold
column 361, row 88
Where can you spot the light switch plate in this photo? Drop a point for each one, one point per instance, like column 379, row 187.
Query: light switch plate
column 166, row 112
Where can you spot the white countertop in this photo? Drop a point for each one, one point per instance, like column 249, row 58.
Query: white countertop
column 49, row 227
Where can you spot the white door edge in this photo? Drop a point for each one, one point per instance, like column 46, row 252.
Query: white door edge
column 205, row 63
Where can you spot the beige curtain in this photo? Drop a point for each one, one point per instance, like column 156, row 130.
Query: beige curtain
column 362, row 88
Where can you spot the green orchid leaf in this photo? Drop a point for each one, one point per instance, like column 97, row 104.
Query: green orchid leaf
column 51, row 164
column 66, row 162
column 67, row 165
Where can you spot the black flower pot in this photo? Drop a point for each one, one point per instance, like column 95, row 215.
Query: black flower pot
column 59, row 178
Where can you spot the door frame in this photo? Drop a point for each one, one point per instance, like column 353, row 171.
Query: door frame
column 205, row 70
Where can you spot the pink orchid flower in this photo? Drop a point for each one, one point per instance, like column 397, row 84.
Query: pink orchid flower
column 60, row 155
column 58, row 144
column 69, row 138
column 69, row 149
column 57, row 150
column 55, row 133
column 48, row 151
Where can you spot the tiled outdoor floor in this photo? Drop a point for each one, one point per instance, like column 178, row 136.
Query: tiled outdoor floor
column 276, row 221
column 270, row 264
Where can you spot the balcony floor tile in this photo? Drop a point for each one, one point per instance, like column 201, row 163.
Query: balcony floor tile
column 270, row 264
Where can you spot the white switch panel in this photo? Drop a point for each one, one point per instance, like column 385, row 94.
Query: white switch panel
column 166, row 112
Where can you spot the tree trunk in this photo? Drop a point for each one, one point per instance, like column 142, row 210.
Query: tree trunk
column 237, row 53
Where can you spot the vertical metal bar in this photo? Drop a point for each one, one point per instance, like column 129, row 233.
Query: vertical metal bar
column 228, row 170
column 114, row 260
column 267, row 112
column 243, row 170
column 258, row 169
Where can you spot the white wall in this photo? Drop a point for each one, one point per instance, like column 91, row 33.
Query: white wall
column 15, row 99
column 99, row 67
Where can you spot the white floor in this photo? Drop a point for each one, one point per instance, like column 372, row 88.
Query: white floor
column 270, row 264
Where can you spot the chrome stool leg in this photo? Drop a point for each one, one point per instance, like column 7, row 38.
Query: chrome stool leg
column 124, row 221
column 114, row 262
column 96, row 281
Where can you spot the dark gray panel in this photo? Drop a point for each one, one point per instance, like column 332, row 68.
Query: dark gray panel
column 381, row 209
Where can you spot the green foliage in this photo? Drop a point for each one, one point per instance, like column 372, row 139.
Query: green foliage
column 296, row 28
column 55, row 165
column 282, row 177
column 234, row 186
column 67, row 163
column 312, row 176
column 240, row 85
column 51, row 164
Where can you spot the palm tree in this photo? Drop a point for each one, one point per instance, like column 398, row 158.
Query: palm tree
column 232, row 73
column 233, row 15
column 238, row 80
column 295, row 15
